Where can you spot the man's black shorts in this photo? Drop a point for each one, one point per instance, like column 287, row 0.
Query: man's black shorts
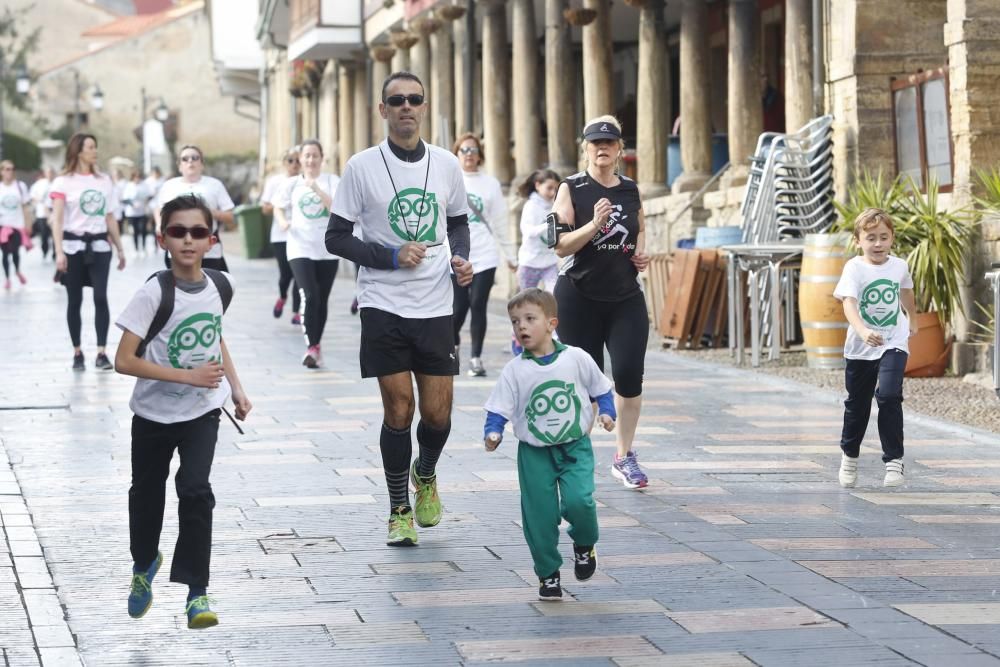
column 392, row 344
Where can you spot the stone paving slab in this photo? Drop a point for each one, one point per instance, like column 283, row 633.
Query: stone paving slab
column 742, row 551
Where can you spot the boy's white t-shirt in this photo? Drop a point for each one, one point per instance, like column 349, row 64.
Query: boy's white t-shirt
column 876, row 287
column 485, row 194
column 191, row 338
column 310, row 217
column 549, row 404
column 210, row 190
column 366, row 196
column 272, row 186
column 88, row 199
column 534, row 252
column 40, row 195
column 13, row 199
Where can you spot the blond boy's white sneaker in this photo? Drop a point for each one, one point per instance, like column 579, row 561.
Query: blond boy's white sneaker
column 848, row 471
column 894, row 473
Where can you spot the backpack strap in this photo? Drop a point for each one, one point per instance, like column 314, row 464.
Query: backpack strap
column 224, row 287
column 163, row 311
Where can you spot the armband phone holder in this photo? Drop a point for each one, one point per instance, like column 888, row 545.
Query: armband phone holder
column 551, row 234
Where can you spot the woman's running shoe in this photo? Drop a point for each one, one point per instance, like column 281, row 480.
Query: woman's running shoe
column 354, row 306
column 312, row 358
column 279, row 308
column 296, row 319
column 626, row 468
column 20, row 276
column 102, row 363
column 78, row 363
column 476, row 368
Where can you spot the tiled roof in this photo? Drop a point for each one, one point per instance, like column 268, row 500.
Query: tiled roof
column 129, row 26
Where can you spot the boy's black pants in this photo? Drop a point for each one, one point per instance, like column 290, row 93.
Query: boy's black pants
column 861, row 376
column 153, row 446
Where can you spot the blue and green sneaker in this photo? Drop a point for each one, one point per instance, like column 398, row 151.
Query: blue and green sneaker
column 199, row 615
column 140, row 596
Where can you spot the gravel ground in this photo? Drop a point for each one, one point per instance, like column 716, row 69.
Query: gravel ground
column 948, row 398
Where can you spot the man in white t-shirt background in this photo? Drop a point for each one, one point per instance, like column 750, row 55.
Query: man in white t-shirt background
column 42, row 206
column 409, row 199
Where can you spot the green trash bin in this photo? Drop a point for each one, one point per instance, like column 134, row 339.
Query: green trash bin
column 255, row 231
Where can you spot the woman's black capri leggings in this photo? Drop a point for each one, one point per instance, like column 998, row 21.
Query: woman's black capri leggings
column 77, row 272
column 285, row 277
column 622, row 326
column 315, row 279
column 474, row 297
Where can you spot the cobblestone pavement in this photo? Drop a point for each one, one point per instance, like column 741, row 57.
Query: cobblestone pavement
column 742, row 551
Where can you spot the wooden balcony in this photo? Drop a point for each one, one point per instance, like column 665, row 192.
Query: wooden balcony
column 324, row 29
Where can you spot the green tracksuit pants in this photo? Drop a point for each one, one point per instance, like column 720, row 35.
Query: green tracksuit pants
column 556, row 482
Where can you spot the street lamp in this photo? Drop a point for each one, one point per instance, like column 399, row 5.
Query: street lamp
column 23, row 82
column 160, row 113
column 96, row 99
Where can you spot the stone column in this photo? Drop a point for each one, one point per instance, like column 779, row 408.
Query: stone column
column 597, row 97
column 652, row 101
column 798, row 64
column 527, row 133
column 745, row 114
column 559, row 89
column 420, row 64
column 362, row 134
column 381, row 57
column 496, row 104
column 345, row 113
column 458, row 38
column 442, row 107
column 696, row 128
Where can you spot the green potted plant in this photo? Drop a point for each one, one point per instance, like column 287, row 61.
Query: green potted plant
column 934, row 242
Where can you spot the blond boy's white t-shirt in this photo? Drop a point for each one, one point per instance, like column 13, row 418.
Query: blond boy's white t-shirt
column 877, row 290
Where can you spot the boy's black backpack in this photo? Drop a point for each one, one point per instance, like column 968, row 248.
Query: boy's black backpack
column 166, row 307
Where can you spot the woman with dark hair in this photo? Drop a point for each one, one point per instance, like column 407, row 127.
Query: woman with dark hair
column 537, row 263
column 15, row 212
column 600, row 301
column 192, row 181
column 83, row 229
column 487, row 238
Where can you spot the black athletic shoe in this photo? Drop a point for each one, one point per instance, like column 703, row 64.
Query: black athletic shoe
column 102, row 363
column 549, row 588
column 584, row 562
column 78, row 364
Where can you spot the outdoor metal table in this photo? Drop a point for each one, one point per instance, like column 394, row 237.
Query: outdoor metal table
column 994, row 277
column 752, row 258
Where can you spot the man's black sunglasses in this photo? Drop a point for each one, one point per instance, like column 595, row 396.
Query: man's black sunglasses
column 398, row 100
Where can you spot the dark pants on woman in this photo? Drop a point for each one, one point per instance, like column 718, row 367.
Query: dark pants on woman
column 861, row 377
column 315, row 280
column 78, row 272
column 153, row 446
column 41, row 229
column 285, row 276
column 139, row 231
column 11, row 250
column 474, row 297
column 622, row 326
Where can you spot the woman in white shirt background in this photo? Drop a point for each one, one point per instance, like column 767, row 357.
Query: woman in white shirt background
column 309, row 196
column 192, row 181
column 43, row 209
column 135, row 199
column 279, row 237
column 15, row 212
column 84, row 228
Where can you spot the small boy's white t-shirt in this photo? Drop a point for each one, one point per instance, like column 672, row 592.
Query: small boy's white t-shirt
column 88, row 199
column 549, row 404
column 310, row 217
column 876, row 287
column 210, row 190
column 191, row 338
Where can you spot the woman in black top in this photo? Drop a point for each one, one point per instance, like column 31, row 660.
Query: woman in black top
column 602, row 235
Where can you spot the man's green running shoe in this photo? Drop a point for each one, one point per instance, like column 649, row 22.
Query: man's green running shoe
column 426, row 502
column 199, row 615
column 401, row 530
column 140, row 595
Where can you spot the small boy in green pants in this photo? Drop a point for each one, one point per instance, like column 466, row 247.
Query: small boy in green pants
column 547, row 392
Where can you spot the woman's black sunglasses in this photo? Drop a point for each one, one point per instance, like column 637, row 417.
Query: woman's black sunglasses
column 180, row 231
column 398, row 100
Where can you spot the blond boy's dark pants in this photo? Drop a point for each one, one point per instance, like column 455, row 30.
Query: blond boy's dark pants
column 861, row 378
column 153, row 446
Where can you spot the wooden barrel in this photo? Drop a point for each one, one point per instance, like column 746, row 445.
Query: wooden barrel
column 824, row 326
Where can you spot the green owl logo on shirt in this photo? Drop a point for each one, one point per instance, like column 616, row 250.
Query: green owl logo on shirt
column 92, row 202
column 880, row 303
column 553, row 412
column 10, row 202
column 413, row 215
column 477, row 205
column 312, row 207
column 191, row 343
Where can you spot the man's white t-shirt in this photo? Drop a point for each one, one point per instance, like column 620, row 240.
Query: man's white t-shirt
column 534, row 252
column 549, row 404
column 88, row 199
column 310, row 217
column 191, row 338
column 40, row 196
column 271, row 188
column 486, row 197
column 391, row 216
column 13, row 198
column 212, row 192
column 137, row 196
column 876, row 287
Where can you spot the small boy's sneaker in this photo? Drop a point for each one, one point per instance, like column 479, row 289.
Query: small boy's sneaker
column 296, row 319
column 426, row 502
column 312, row 358
column 102, row 362
column 401, row 530
column 476, row 368
column 848, row 471
column 78, row 363
column 584, row 562
column 626, row 468
column 549, row 588
column 140, row 596
column 279, row 308
column 894, row 473
column 200, row 616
